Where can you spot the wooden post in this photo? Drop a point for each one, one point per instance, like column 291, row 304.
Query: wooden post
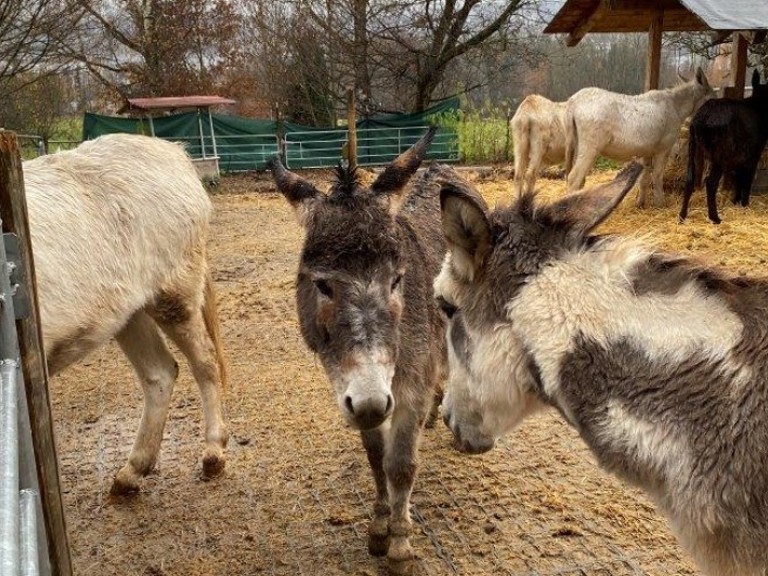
column 739, row 64
column 654, row 52
column 13, row 212
column 351, row 128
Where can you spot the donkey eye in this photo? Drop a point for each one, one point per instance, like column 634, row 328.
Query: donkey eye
column 324, row 288
column 448, row 309
column 396, row 282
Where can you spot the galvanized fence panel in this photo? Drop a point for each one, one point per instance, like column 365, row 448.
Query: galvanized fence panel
column 23, row 550
column 376, row 146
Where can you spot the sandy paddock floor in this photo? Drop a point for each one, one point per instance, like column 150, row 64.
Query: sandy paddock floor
column 296, row 495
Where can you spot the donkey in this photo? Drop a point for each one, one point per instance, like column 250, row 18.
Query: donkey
column 538, row 137
column 365, row 306
column 118, row 229
column 625, row 127
column 731, row 134
column 659, row 363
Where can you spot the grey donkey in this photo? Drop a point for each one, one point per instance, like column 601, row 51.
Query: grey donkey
column 660, row 363
column 365, row 306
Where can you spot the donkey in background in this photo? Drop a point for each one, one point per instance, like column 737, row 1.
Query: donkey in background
column 731, row 134
column 118, row 229
column 659, row 363
column 365, row 306
column 538, row 137
column 623, row 127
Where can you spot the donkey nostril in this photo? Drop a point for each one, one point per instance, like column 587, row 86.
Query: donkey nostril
column 348, row 404
column 389, row 405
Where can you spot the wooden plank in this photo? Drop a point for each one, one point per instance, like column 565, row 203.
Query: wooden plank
column 585, row 24
column 739, row 64
column 653, row 63
column 13, row 212
column 351, row 128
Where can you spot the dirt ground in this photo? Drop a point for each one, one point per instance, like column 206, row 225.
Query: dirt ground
column 296, row 495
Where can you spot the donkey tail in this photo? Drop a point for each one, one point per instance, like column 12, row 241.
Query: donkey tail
column 571, row 142
column 211, row 318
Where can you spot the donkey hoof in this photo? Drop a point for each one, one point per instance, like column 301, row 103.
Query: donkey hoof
column 125, row 483
column 213, row 465
column 402, row 567
column 399, row 550
column 378, row 545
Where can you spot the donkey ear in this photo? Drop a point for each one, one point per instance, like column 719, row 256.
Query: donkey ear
column 582, row 211
column 391, row 182
column 466, row 227
column 302, row 195
column 701, row 78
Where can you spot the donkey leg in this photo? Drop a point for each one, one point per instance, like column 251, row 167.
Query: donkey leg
column 183, row 323
column 378, row 529
column 644, row 183
column 743, row 184
column 400, row 466
column 659, row 163
column 584, row 162
column 142, row 343
column 712, row 182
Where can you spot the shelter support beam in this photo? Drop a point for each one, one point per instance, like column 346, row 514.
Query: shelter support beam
column 584, row 25
column 654, row 52
column 739, row 64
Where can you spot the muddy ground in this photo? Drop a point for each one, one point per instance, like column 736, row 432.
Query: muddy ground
column 296, row 495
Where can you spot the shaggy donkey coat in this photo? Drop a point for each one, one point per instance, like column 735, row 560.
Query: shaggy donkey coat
column 660, row 364
column 730, row 134
column 624, row 127
column 538, row 137
column 118, row 230
column 365, row 306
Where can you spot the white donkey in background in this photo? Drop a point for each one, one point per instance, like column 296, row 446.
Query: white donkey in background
column 623, row 127
column 659, row 363
column 538, row 136
column 119, row 228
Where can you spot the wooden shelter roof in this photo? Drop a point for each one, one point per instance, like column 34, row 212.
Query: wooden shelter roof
column 577, row 17
column 172, row 103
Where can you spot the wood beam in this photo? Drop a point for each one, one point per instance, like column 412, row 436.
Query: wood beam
column 739, row 64
column 584, row 25
column 654, row 52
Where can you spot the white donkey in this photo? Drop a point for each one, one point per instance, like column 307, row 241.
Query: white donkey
column 538, row 136
column 660, row 364
column 118, row 229
column 623, row 127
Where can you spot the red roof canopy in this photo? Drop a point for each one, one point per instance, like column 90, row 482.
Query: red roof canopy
column 173, row 102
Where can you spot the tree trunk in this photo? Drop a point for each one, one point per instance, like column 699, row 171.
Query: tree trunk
column 360, row 48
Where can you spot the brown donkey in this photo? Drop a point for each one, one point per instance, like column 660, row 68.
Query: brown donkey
column 364, row 300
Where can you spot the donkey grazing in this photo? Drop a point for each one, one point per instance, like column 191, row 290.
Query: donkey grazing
column 118, row 230
column 660, row 364
column 538, row 137
column 731, row 134
column 624, row 127
column 365, row 305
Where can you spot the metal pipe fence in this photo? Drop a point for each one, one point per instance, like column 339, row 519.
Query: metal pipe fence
column 20, row 507
column 375, row 146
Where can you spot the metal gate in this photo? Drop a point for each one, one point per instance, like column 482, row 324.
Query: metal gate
column 23, row 550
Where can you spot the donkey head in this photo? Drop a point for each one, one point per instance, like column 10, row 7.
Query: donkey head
column 494, row 382
column 349, row 291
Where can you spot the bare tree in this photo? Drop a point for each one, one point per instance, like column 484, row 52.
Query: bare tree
column 28, row 30
column 155, row 47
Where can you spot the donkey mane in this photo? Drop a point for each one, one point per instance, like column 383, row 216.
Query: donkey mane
column 347, row 184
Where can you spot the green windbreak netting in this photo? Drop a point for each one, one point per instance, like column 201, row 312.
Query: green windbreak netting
column 246, row 144
column 241, row 143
